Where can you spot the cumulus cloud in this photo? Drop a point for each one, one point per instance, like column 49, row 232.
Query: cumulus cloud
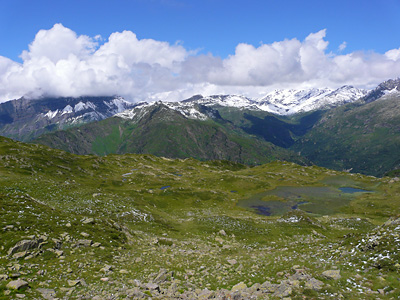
column 61, row 63
column 59, row 43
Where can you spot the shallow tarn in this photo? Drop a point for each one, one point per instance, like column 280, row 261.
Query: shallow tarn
column 319, row 200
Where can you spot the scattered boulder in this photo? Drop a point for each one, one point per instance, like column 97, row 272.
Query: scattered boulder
column 162, row 276
column 3, row 277
column 73, row 282
column 238, row 287
column 283, row 290
column 25, row 245
column 87, row 220
column 314, row 284
column 268, row 287
column 19, row 255
column 47, row 293
column 17, row 284
column 219, row 240
column 152, row 286
column 332, row 274
column 84, row 243
column 106, row 269
column 222, row 232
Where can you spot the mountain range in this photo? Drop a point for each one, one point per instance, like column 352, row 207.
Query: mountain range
column 343, row 129
column 24, row 119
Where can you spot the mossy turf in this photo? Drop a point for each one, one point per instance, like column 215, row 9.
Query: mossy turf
column 153, row 213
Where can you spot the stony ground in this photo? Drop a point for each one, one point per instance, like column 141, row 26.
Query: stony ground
column 140, row 227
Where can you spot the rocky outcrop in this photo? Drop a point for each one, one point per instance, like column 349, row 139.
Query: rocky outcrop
column 25, row 245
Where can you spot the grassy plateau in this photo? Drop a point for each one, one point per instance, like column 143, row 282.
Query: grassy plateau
column 139, row 227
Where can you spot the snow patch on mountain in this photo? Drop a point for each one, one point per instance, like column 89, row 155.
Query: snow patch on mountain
column 393, row 91
column 67, row 110
column 84, row 111
column 187, row 110
column 136, row 113
column 287, row 102
column 117, row 105
column 281, row 102
column 223, row 100
column 51, row 114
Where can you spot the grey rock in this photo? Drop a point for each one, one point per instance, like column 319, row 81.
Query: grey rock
column 15, row 275
column 238, row 287
column 73, row 282
column 332, row 274
column 25, row 245
column 283, row 290
column 314, row 284
column 47, row 293
column 19, row 255
column 135, row 293
column 268, row 287
column 87, row 221
column 300, row 275
column 17, row 284
column 162, row 276
column 84, row 243
column 232, row 261
column 222, row 232
column 152, row 286
column 106, row 268
column 3, row 277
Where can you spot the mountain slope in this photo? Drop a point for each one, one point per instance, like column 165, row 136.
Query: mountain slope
column 139, row 226
column 285, row 102
column 361, row 137
column 25, row 119
column 168, row 130
column 288, row 102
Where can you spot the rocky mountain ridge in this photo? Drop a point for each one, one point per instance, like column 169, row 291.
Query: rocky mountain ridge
column 24, row 119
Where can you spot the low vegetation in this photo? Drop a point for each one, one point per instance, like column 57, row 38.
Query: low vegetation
column 138, row 226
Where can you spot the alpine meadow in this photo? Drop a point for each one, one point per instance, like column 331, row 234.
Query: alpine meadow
column 173, row 149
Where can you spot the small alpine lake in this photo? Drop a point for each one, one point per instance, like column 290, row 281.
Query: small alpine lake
column 320, row 200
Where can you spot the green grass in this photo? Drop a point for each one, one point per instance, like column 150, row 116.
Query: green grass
column 142, row 228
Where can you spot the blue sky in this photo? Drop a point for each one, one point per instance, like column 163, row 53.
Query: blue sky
column 215, row 26
column 213, row 29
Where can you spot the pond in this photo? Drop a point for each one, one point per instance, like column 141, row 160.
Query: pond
column 322, row 200
column 350, row 190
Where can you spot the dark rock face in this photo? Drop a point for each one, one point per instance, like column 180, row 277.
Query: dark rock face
column 380, row 90
column 25, row 245
column 24, row 119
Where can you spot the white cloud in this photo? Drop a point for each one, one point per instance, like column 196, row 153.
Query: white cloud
column 393, row 54
column 61, row 63
column 59, row 43
column 342, row 46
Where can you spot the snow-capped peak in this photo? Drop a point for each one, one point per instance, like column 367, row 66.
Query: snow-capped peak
column 222, row 100
column 286, row 102
column 282, row 102
column 187, row 109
